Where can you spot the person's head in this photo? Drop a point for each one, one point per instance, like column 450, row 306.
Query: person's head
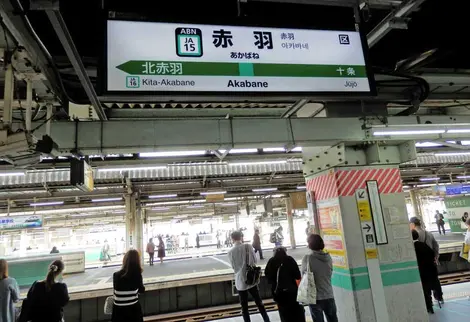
column 315, row 242
column 414, row 234
column 3, row 269
column 256, row 231
column 131, row 263
column 236, row 236
column 54, row 248
column 437, row 211
column 415, row 223
column 55, row 269
column 465, row 214
column 151, row 240
column 160, row 239
column 280, row 252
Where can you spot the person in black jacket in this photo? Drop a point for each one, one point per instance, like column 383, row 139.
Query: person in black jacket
column 427, row 268
column 46, row 299
column 282, row 273
column 257, row 244
column 128, row 283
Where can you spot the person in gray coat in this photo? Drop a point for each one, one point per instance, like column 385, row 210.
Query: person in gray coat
column 9, row 294
column 321, row 266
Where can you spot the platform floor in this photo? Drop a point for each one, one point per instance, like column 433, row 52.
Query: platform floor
column 456, row 307
column 99, row 278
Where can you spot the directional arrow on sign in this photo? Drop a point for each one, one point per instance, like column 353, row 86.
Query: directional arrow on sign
column 367, row 227
column 361, row 194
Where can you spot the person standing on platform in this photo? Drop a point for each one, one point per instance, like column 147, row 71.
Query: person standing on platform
column 9, row 294
column 128, row 284
column 197, row 241
column 161, row 249
column 440, row 222
column 257, row 244
column 428, row 238
column 54, row 250
column 151, row 251
column 240, row 256
column 427, row 268
column 282, row 273
column 321, row 265
column 46, row 299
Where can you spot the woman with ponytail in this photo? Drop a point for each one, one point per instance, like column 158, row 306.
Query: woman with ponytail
column 47, row 298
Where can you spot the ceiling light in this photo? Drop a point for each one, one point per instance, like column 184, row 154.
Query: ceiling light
column 408, row 132
column 302, row 187
column 264, row 189
column 179, row 202
column 406, row 187
column 430, row 179
column 297, row 149
column 274, row 150
column 463, row 177
column 171, row 154
column 458, row 131
column 226, row 204
column 427, row 144
column 239, row 151
column 49, row 203
column 258, row 163
column 14, row 174
column 194, row 206
column 207, row 193
column 131, row 169
column 162, row 196
column 160, row 208
column 106, row 199
column 451, row 154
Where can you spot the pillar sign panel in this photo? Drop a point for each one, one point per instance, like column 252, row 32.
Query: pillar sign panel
column 377, row 213
column 371, row 253
column 162, row 57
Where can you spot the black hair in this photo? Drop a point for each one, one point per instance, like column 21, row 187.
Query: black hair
column 414, row 234
column 55, row 269
column 280, row 252
column 315, row 242
column 236, row 235
column 416, row 221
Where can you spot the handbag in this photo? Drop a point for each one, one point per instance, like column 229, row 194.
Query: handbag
column 108, row 305
column 464, row 251
column 253, row 272
column 307, row 293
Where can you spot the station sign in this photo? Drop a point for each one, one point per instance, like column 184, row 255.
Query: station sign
column 172, row 57
column 20, row 222
column 458, row 189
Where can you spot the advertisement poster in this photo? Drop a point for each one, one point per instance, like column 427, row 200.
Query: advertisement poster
column 456, row 207
column 20, row 222
column 332, row 232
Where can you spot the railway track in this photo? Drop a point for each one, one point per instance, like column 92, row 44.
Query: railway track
column 230, row 311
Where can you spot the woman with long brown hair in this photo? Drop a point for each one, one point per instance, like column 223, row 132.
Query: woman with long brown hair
column 128, row 283
column 47, row 298
column 9, row 294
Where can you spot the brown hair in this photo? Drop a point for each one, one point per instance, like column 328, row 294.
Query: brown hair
column 131, row 263
column 3, row 269
column 315, row 242
column 55, row 269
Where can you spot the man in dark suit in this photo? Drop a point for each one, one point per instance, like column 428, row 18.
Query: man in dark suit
column 427, row 268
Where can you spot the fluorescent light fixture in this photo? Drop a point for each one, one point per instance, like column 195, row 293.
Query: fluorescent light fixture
column 106, row 199
column 297, row 149
column 406, row 187
column 463, row 177
column 179, row 202
column 427, row 144
column 208, row 193
column 194, row 206
column 458, row 131
column 451, row 154
column 160, row 208
column 48, row 203
column 258, row 163
column 430, row 179
column 131, row 169
column 274, row 150
column 302, row 187
column 171, row 154
column 465, row 142
column 14, row 174
column 163, row 196
column 408, row 132
column 264, row 189
column 226, row 204
column 240, row 151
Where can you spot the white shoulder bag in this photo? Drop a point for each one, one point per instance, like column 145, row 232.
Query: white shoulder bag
column 307, row 293
column 108, row 305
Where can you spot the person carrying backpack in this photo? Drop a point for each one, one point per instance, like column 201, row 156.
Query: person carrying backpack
column 282, row 273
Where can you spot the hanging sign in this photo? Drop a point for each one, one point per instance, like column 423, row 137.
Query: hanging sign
column 174, row 57
column 20, row 222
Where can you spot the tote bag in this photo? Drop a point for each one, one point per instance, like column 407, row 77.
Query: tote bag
column 307, row 293
column 253, row 272
column 108, row 305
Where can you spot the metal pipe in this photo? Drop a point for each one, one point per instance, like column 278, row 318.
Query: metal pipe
column 8, row 96
column 48, row 118
column 29, row 103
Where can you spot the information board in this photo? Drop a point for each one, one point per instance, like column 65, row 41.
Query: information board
column 148, row 56
column 20, row 222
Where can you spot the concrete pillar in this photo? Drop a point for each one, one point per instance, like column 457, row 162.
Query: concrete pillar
column 290, row 223
column 415, row 203
column 363, row 220
column 139, row 227
column 130, row 221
